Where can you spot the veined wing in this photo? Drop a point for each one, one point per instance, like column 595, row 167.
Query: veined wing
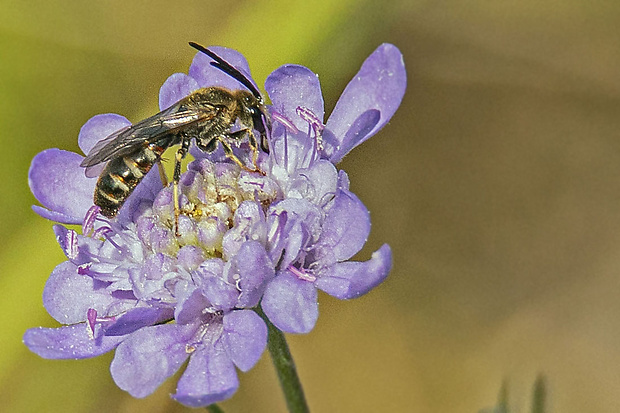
column 149, row 130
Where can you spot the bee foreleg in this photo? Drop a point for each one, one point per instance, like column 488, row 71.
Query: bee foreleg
column 236, row 136
column 175, row 182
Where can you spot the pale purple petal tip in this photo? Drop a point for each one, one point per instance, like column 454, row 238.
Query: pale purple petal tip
column 346, row 227
column 245, row 337
column 68, row 342
column 293, row 86
column 210, row 377
column 149, row 356
column 68, row 296
column 58, row 182
column 351, row 279
column 100, row 127
column 207, row 75
column 380, row 84
column 175, row 88
column 291, row 303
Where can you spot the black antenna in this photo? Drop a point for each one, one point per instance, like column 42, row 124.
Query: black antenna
column 227, row 68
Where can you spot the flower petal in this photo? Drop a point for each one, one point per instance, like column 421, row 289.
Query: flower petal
column 69, row 342
column 191, row 303
column 291, row 303
column 142, row 196
column 136, row 318
column 175, row 88
column 351, row 279
column 210, row 377
column 380, row 84
column 317, row 184
column 98, row 128
column 245, row 337
column 149, row 356
column 248, row 223
column 68, row 295
column 254, row 269
column 290, row 152
column 294, row 224
column 345, row 230
column 293, row 86
column 221, row 293
column 58, row 182
column 360, row 128
column 207, row 75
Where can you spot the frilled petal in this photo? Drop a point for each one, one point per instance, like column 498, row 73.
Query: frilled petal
column 68, row 295
column 58, row 182
column 351, row 279
column 245, row 338
column 207, row 75
column 380, row 85
column 293, row 86
column 149, row 356
column 69, row 342
column 100, row 127
column 175, row 88
column 345, row 230
column 291, row 303
column 210, row 377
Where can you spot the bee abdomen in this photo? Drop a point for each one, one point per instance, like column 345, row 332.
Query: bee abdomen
column 120, row 177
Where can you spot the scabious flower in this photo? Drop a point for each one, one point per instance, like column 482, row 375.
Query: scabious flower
column 246, row 238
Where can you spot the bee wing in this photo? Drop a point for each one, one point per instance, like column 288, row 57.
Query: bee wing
column 135, row 137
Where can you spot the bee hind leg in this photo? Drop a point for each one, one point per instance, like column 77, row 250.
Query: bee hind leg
column 162, row 174
column 181, row 152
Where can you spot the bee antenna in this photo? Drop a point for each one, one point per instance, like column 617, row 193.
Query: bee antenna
column 227, row 68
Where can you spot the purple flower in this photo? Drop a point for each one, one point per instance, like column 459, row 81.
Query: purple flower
column 246, row 238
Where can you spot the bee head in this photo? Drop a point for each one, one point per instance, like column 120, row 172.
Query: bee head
column 252, row 102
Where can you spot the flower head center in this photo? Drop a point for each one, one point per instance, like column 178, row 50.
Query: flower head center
column 210, row 194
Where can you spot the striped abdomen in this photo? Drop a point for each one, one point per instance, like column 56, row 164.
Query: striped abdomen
column 121, row 175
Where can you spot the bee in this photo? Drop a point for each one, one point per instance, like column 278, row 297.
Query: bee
column 206, row 116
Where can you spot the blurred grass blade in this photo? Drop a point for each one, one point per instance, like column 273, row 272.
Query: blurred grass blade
column 539, row 395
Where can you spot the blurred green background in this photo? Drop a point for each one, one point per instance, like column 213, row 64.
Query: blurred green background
column 497, row 183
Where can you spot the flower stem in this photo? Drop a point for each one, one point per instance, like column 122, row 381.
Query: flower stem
column 285, row 367
column 214, row 408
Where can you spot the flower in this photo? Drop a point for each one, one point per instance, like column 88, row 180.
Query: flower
column 245, row 238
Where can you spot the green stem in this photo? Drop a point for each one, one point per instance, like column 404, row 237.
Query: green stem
column 285, row 367
column 214, row 408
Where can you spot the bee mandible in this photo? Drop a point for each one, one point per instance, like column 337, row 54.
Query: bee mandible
column 206, row 115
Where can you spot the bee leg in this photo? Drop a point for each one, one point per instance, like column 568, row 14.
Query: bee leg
column 229, row 152
column 162, row 174
column 181, row 152
column 254, row 146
